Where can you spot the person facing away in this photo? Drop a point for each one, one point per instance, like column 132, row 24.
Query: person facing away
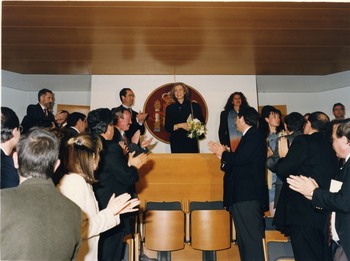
column 310, row 155
column 176, row 117
column 333, row 199
column 10, row 134
column 339, row 111
column 83, row 158
column 228, row 133
column 115, row 175
column 293, row 124
column 39, row 114
column 127, row 97
column 37, row 221
column 245, row 188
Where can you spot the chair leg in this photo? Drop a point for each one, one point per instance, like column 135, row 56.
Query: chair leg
column 209, row 256
column 164, row 256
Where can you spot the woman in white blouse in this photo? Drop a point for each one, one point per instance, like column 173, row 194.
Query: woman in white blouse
column 83, row 158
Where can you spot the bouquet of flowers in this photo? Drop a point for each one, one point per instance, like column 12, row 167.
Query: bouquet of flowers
column 195, row 128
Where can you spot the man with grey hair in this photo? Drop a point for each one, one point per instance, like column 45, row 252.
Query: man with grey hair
column 37, row 221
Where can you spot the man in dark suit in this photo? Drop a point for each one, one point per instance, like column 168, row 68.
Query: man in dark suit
column 245, row 188
column 310, row 155
column 334, row 200
column 122, row 123
column 127, row 97
column 35, row 211
column 76, row 123
column 115, row 175
column 39, row 114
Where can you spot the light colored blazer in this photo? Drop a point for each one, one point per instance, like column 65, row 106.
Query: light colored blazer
column 74, row 187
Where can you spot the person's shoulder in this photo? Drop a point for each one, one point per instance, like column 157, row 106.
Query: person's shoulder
column 72, row 177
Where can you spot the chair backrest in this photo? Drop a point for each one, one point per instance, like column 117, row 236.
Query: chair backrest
column 210, row 230
column 164, row 225
column 210, row 226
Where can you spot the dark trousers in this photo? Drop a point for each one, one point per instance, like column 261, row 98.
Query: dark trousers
column 309, row 244
column 248, row 219
column 110, row 245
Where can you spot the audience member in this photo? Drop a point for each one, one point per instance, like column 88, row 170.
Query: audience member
column 228, row 133
column 245, row 188
column 272, row 127
column 39, row 114
column 115, row 175
column 76, row 123
column 122, row 121
column 339, row 111
column 176, row 117
column 37, row 221
column 10, row 134
column 83, row 155
column 333, row 199
column 310, row 155
column 293, row 124
column 127, row 98
column 61, row 118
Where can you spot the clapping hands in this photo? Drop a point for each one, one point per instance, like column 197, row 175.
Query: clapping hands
column 122, row 204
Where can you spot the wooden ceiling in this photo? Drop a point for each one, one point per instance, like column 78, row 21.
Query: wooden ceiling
column 190, row 38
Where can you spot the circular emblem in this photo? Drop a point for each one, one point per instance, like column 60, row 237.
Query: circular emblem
column 156, row 104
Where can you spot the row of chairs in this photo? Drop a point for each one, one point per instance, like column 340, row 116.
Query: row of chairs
column 205, row 226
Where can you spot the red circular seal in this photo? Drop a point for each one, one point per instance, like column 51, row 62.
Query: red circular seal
column 156, row 104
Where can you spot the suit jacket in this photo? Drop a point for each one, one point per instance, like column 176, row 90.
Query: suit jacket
column 38, row 223
column 135, row 126
column 132, row 146
column 224, row 135
column 310, row 156
column 36, row 117
column 245, row 178
column 340, row 203
column 113, row 174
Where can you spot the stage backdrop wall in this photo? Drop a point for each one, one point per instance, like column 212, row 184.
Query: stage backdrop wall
column 214, row 89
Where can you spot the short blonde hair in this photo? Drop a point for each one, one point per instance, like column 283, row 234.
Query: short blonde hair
column 184, row 86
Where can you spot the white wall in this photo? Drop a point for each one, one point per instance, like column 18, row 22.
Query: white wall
column 214, row 89
column 19, row 100
column 308, row 102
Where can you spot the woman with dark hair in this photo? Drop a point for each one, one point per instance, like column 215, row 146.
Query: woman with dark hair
column 177, row 116
column 271, row 126
column 83, row 155
column 10, row 134
column 228, row 133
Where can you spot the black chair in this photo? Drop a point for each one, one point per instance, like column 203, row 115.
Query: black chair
column 276, row 245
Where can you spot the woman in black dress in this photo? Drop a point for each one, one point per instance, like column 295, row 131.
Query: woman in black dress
column 176, row 117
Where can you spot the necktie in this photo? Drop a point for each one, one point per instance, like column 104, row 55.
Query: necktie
column 126, row 142
column 45, row 112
